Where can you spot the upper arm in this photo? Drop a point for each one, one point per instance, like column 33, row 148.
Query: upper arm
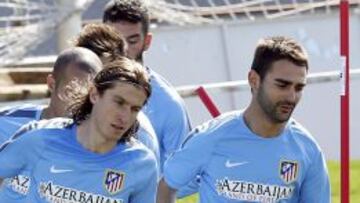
column 148, row 188
column 15, row 155
column 175, row 130
column 146, row 135
column 165, row 193
column 316, row 186
column 184, row 165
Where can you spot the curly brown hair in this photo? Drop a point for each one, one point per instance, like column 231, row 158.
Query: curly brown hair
column 103, row 40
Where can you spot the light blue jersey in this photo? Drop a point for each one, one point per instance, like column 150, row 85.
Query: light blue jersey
column 12, row 118
column 147, row 136
column 16, row 188
column 236, row 165
column 167, row 113
column 61, row 170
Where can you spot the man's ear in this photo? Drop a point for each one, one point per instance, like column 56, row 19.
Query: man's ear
column 147, row 40
column 51, row 83
column 254, row 80
column 93, row 94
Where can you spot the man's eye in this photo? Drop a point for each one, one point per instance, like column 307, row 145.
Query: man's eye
column 281, row 85
column 133, row 40
column 299, row 88
column 119, row 102
column 136, row 109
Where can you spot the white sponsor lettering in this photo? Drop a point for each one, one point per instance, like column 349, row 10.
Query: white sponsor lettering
column 19, row 184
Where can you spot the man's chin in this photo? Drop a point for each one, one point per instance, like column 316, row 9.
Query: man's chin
column 281, row 118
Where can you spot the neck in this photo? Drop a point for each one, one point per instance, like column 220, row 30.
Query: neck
column 259, row 123
column 91, row 139
column 48, row 113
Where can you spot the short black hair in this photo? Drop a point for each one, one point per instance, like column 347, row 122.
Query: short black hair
column 133, row 11
column 276, row 48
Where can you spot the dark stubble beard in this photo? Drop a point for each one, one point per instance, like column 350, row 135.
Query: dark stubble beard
column 272, row 110
column 140, row 56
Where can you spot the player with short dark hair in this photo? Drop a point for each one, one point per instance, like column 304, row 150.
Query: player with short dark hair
column 260, row 154
column 79, row 63
column 165, row 109
column 131, row 19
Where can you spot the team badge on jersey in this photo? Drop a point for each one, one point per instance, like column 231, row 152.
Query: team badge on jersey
column 289, row 171
column 114, row 181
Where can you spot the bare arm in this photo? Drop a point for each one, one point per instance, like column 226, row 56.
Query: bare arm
column 165, row 193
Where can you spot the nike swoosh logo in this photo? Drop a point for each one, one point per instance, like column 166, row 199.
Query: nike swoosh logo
column 55, row 170
column 229, row 164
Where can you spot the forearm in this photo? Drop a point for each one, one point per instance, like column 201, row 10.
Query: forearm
column 165, row 193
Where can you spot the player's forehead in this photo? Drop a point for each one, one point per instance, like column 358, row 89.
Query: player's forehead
column 126, row 28
column 130, row 93
column 285, row 70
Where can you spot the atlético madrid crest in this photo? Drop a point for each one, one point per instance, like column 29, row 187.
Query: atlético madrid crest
column 114, row 181
column 289, row 171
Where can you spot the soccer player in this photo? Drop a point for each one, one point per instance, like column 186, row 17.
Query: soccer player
column 103, row 40
column 165, row 109
column 108, row 45
column 78, row 64
column 92, row 157
column 260, row 154
column 73, row 63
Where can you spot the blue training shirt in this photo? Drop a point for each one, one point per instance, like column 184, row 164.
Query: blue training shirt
column 12, row 118
column 18, row 120
column 236, row 165
column 166, row 111
column 61, row 170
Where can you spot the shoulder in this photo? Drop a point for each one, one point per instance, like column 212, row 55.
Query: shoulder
column 55, row 123
column 302, row 136
column 145, row 125
column 24, row 111
column 140, row 156
column 39, row 134
column 138, row 151
column 51, row 124
column 160, row 86
column 146, row 133
column 215, row 129
column 142, row 160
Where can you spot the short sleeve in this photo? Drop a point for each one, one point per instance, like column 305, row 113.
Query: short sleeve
column 147, row 189
column 316, row 186
column 17, row 154
column 184, row 165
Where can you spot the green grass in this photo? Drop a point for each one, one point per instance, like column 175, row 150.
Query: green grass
column 334, row 170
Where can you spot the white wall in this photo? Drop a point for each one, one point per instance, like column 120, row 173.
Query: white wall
column 217, row 53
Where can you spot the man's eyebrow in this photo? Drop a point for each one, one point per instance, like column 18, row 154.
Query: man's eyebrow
column 287, row 82
column 133, row 36
column 283, row 81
